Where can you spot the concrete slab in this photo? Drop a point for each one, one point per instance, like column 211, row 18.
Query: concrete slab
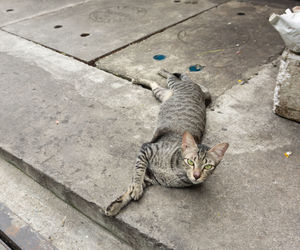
column 252, row 200
column 3, row 246
column 97, row 28
column 72, row 127
column 12, row 11
column 275, row 3
column 43, row 212
column 18, row 234
column 86, row 157
column 231, row 41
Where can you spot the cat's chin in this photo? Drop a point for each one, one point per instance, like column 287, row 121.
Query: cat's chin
column 197, row 181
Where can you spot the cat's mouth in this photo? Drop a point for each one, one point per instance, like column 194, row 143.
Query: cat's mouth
column 196, row 177
column 196, row 181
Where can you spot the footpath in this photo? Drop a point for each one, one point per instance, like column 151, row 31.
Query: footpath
column 72, row 120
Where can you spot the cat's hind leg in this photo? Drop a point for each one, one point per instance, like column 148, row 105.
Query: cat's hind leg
column 161, row 94
column 172, row 78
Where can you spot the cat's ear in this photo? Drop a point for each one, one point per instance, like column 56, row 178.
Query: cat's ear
column 188, row 141
column 218, row 151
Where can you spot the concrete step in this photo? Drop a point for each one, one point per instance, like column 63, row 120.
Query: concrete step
column 72, row 128
column 34, row 218
column 76, row 130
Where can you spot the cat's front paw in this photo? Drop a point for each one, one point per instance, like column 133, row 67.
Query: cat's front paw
column 113, row 209
column 136, row 191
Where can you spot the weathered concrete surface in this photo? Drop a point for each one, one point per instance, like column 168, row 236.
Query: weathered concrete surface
column 287, row 91
column 12, row 11
column 275, row 3
column 251, row 202
column 55, row 220
column 108, row 24
column 18, row 233
column 3, row 246
column 230, row 46
column 71, row 127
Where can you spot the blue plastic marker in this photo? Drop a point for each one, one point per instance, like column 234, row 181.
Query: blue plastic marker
column 159, row 57
column 196, row 67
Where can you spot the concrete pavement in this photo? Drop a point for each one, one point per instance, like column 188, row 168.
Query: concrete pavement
column 76, row 130
column 47, row 217
column 99, row 27
column 231, row 50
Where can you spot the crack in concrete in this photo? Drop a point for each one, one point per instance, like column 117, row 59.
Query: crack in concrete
column 92, row 62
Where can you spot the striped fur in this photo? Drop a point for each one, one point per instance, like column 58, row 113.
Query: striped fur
column 164, row 160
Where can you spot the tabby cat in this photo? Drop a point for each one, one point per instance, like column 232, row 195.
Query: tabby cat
column 174, row 157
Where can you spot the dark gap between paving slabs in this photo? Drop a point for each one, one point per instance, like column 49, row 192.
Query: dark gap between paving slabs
column 225, row 46
column 96, row 28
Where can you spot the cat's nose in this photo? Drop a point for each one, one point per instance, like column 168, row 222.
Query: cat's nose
column 196, row 175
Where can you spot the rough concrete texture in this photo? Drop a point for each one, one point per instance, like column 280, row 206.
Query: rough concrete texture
column 3, row 246
column 59, row 223
column 18, row 234
column 73, row 128
column 275, row 3
column 251, row 201
column 231, row 41
column 16, row 10
column 108, row 25
column 287, row 91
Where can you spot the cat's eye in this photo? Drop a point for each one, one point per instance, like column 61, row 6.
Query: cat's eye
column 190, row 162
column 208, row 167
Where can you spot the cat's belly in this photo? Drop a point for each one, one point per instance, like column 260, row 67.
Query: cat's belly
column 169, row 177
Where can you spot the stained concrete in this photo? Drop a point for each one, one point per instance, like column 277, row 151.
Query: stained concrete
column 252, row 200
column 3, row 246
column 76, row 130
column 12, row 11
column 57, row 222
column 99, row 27
column 230, row 41
column 18, row 233
column 72, row 127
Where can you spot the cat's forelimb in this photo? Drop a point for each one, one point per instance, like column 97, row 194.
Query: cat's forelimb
column 115, row 207
column 134, row 192
column 139, row 182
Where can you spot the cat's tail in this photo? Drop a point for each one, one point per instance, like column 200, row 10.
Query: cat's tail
column 115, row 207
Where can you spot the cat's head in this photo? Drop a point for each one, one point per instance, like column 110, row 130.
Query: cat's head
column 200, row 162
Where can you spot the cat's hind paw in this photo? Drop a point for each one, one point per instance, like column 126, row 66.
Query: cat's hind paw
column 136, row 191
